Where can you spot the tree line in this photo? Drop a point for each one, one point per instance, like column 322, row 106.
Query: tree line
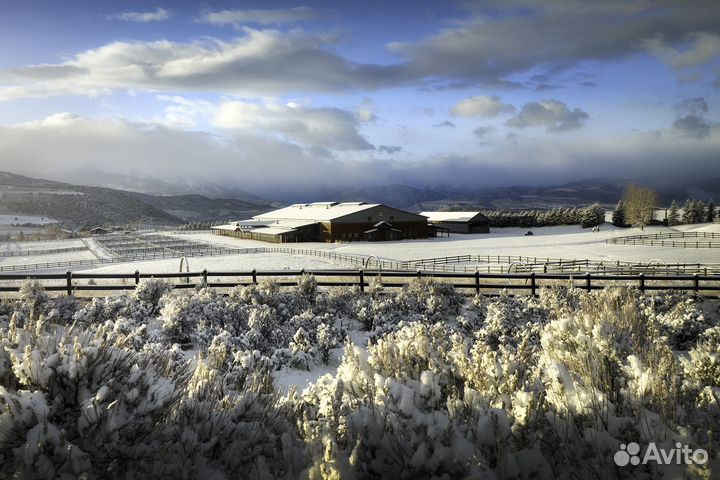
column 589, row 216
column 638, row 204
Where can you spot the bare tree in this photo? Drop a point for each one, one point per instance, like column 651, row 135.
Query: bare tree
column 640, row 203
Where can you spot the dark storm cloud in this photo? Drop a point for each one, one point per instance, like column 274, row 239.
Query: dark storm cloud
column 693, row 126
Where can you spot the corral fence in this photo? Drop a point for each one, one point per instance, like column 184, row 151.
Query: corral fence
column 497, row 264
column 671, row 239
column 469, row 283
column 47, row 251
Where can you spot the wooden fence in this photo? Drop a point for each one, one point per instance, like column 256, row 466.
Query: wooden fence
column 48, row 251
column 667, row 239
column 477, row 282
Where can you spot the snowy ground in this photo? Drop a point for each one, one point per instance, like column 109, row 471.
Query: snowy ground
column 20, row 219
column 40, row 245
column 50, row 258
column 260, row 261
column 567, row 242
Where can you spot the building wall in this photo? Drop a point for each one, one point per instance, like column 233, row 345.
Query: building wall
column 464, row 227
column 354, row 231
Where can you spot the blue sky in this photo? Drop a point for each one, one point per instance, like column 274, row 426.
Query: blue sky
column 275, row 96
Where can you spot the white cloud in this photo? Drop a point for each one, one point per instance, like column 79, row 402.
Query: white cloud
column 552, row 114
column 268, row 166
column 263, row 17
column 258, row 63
column 158, row 15
column 330, row 128
column 481, row 106
column 699, row 48
column 182, row 112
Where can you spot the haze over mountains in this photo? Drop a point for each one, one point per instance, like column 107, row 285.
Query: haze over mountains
column 156, row 202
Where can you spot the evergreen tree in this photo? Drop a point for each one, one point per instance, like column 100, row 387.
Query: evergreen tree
column 674, row 214
column 710, row 213
column 618, row 216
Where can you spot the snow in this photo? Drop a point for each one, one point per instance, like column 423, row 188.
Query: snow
column 566, row 242
column 49, row 258
column 241, row 262
column 40, row 245
column 20, row 219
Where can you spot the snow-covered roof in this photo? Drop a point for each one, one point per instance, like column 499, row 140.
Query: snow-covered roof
column 450, row 216
column 318, row 211
column 274, row 230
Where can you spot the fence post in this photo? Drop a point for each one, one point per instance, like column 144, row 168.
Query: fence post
column 137, row 277
column 642, row 282
column 477, row 281
column 68, row 277
column 254, row 276
column 419, row 274
column 532, row 284
column 588, row 285
column 696, row 283
column 361, row 273
column 204, row 276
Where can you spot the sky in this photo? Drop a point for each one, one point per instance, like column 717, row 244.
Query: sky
column 273, row 98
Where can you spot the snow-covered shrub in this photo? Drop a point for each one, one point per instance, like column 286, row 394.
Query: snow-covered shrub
column 307, row 286
column 301, row 350
column 197, row 317
column 326, row 341
column 151, row 290
column 33, row 292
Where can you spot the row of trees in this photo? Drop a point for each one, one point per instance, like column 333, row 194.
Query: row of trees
column 589, row 216
column 639, row 203
column 693, row 211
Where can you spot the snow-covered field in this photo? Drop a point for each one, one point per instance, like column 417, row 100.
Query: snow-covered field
column 303, row 383
column 49, row 258
column 566, row 242
column 21, row 219
column 40, row 245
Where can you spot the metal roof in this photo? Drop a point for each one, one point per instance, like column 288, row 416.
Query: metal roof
column 317, row 212
column 451, row 216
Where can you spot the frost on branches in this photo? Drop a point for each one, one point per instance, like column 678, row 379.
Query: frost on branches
column 430, row 384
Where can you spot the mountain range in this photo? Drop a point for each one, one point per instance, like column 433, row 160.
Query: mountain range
column 153, row 202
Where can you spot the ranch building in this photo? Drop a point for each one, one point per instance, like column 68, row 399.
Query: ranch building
column 329, row 222
column 459, row 222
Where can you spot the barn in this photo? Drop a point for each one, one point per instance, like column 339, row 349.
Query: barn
column 459, row 222
column 330, row 222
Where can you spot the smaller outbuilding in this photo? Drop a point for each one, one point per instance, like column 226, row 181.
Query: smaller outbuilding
column 459, row 222
column 99, row 231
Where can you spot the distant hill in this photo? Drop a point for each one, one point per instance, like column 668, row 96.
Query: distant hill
column 79, row 206
column 200, row 208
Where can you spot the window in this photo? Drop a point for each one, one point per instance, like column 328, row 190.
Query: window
column 392, row 218
column 369, row 219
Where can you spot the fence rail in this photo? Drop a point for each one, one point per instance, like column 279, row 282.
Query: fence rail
column 667, row 239
column 49, row 251
column 476, row 282
column 451, row 264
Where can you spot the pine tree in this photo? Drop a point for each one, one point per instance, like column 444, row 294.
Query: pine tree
column 618, row 216
column 710, row 213
column 674, row 214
